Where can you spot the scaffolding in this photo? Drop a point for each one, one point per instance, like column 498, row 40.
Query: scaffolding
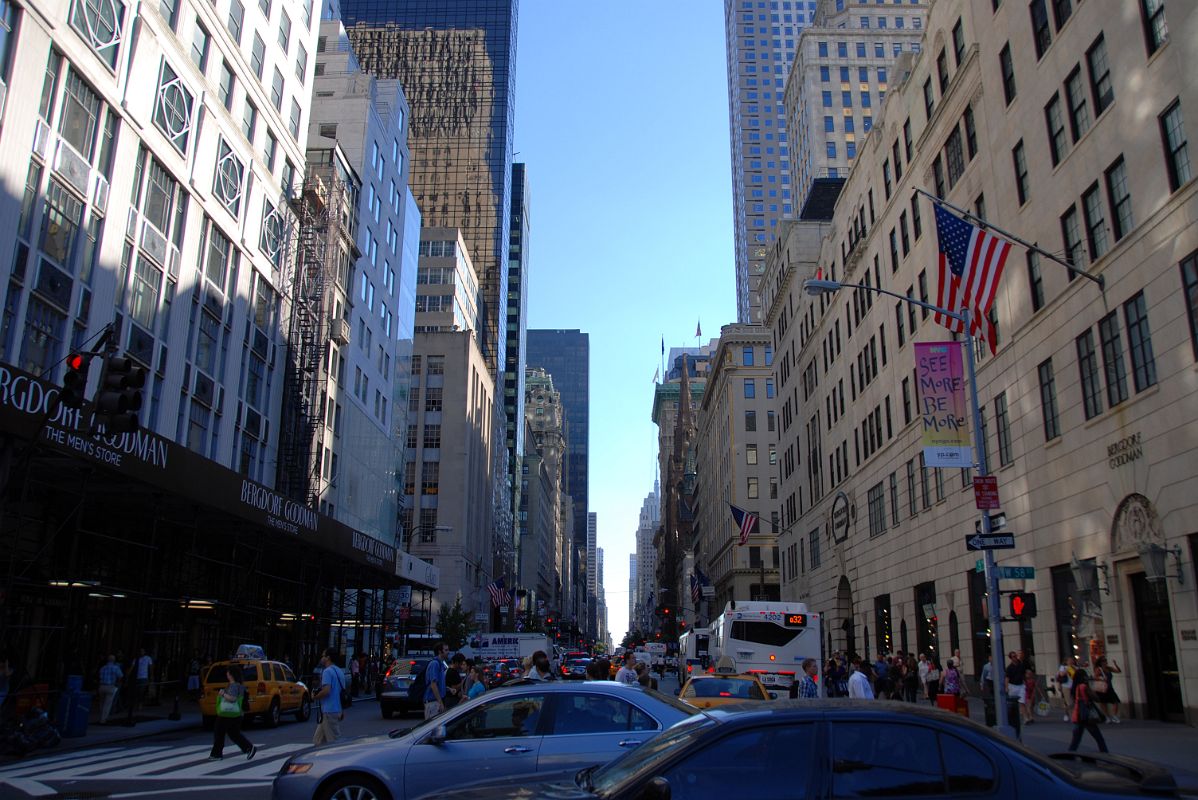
column 326, row 220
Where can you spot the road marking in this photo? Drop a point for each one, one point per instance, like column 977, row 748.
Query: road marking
column 22, row 765
column 137, row 763
column 186, row 789
column 29, row 787
column 78, row 760
column 265, row 769
column 207, row 768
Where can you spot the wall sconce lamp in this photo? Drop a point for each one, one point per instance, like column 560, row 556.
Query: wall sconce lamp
column 1085, row 575
column 1152, row 556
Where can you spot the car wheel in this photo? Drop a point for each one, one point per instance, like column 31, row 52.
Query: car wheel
column 353, row 787
column 273, row 714
column 209, row 722
column 305, row 709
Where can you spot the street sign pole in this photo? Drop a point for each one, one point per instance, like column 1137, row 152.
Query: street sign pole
column 993, row 605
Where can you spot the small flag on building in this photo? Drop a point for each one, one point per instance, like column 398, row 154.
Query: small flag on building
column 971, row 264
column 698, row 330
column 657, row 375
column 499, row 595
column 745, row 520
column 694, row 590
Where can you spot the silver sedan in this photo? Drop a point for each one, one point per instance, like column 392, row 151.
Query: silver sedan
column 536, row 727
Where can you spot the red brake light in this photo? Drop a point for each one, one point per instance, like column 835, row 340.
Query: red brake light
column 725, row 694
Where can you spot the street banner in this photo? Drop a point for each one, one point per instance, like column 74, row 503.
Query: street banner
column 942, row 406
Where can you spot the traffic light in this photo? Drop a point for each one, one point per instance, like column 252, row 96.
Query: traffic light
column 1023, row 605
column 74, row 380
column 119, row 397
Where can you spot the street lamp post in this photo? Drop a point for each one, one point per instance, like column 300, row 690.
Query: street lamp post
column 817, row 286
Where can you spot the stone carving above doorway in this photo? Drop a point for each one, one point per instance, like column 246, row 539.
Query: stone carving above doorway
column 1136, row 523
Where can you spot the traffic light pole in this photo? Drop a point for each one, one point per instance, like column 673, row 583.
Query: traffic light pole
column 993, row 601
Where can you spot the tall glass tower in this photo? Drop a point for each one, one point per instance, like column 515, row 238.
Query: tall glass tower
column 457, row 64
column 762, row 37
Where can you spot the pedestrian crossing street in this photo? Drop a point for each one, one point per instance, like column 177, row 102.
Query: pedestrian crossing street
column 149, row 762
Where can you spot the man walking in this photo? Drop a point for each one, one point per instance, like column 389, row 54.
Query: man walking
column 627, row 674
column 806, row 687
column 859, row 681
column 332, row 682
column 110, row 679
column 434, row 679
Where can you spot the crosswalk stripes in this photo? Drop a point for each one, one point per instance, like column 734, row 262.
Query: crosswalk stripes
column 151, row 762
column 27, row 769
column 52, row 758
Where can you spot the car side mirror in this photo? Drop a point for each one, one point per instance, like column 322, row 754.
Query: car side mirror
column 656, row 789
column 438, row 736
column 773, row 695
column 677, row 690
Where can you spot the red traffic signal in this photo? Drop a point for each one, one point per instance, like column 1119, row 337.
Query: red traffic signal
column 1023, row 605
column 74, row 380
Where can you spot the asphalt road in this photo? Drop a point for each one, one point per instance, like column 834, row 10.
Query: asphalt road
column 175, row 765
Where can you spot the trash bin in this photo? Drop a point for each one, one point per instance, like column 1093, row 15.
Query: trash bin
column 74, row 683
column 954, row 703
column 81, row 706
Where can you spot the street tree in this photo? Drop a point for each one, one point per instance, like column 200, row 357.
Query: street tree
column 454, row 624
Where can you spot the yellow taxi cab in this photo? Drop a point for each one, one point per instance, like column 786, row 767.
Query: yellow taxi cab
column 723, row 687
column 271, row 688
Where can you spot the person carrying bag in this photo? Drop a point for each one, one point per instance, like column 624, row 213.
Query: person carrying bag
column 229, row 713
column 1086, row 713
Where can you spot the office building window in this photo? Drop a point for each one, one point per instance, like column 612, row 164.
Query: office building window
column 1007, row 66
column 1112, row 359
column 929, row 98
column 1041, row 33
column 1057, row 144
column 911, row 510
column 1087, row 365
column 1189, row 282
column 750, row 388
column 1101, row 86
column 1143, row 364
column 1020, row 161
column 1177, row 155
column 1035, row 280
column 1095, row 223
column 1002, row 421
column 750, row 421
column 1120, row 199
column 1075, row 251
column 1075, row 94
column 876, row 498
column 959, row 42
column 1048, row 401
column 236, row 18
column 751, row 488
column 1156, row 32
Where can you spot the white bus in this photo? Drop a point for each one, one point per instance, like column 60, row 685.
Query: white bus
column 768, row 639
column 693, row 653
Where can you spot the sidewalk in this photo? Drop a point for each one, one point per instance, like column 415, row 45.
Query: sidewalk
column 1169, row 744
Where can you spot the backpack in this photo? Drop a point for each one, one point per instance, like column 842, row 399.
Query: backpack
column 418, row 685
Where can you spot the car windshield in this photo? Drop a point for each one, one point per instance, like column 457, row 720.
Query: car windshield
column 647, row 757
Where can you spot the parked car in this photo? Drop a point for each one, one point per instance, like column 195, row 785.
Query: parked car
column 707, row 691
column 512, row 731
column 836, row 748
column 394, row 694
column 271, row 690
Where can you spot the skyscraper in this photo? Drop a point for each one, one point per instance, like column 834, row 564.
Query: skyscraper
column 456, row 62
column 565, row 354
column 761, row 47
column 517, row 319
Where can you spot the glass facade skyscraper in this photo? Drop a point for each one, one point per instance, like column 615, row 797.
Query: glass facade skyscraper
column 566, row 355
column 762, row 37
column 456, row 61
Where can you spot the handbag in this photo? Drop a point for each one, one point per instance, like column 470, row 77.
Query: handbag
column 1100, row 686
column 226, row 707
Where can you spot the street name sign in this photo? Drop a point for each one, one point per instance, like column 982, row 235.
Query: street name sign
column 993, row 541
column 1009, row 573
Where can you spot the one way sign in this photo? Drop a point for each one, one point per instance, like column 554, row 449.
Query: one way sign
column 995, row 541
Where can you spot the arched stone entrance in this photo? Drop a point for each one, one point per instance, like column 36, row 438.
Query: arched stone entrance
column 846, row 626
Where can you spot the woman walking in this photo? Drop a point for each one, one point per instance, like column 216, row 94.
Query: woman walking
column 911, row 680
column 1086, row 714
column 229, row 716
column 1104, row 688
column 933, row 684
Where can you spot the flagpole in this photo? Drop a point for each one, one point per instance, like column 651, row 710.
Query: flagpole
column 1099, row 279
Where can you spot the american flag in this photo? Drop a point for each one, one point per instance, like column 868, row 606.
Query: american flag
column 499, row 595
column 745, row 520
column 971, row 264
column 694, row 590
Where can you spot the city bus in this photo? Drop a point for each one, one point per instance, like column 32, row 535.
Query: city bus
column 693, row 653
column 768, row 639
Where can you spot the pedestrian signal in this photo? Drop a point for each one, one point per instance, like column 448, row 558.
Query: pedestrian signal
column 1023, row 605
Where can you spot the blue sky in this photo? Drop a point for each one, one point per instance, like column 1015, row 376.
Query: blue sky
column 622, row 119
